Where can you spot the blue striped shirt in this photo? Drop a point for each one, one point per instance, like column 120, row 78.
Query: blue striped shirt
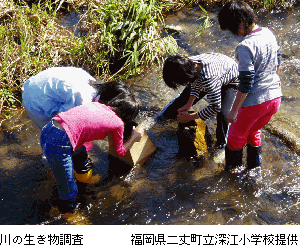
column 218, row 70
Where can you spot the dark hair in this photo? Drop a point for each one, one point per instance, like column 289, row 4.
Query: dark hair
column 125, row 106
column 233, row 14
column 179, row 70
column 109, row 90
column 120, row 98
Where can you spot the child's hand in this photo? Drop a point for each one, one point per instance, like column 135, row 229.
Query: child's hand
column 136, row 135
column 184, row 117
column 185, row 108
column 231, row 118
column 188, row 105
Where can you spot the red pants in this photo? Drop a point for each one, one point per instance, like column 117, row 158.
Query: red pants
column 250, row 121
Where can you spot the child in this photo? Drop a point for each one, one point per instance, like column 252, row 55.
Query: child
column 211, row 74
column 69, row 130
column 58, row 89
column 259, row 92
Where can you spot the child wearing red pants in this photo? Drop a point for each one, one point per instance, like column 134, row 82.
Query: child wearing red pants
column 259, row 92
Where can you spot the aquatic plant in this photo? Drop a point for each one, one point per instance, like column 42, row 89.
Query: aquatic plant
column 204, row 24
column 129, row 35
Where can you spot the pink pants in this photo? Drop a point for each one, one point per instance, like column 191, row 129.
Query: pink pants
column 250, row 121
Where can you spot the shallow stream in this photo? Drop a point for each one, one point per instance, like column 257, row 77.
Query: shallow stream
column 166, row 189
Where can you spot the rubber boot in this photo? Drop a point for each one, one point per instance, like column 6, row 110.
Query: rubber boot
column 254, row 162
column 254, row 158
column 234, row 160
column 67, row 206
column 84, row 173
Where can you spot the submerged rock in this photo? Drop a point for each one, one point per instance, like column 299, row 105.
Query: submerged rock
column 290, row 138
column 175, row 29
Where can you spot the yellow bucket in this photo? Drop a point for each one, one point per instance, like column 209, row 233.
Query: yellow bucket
column 84, row 177
column 200, row 141
column 193, row 138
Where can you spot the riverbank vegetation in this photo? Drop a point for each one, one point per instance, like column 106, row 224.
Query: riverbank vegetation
column 117, row 38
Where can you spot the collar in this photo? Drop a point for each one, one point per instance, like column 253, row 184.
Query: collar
column 96, row 99
column 256, row 30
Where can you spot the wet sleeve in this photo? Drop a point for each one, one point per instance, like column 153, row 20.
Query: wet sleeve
column 246, row 68
column 246, row 79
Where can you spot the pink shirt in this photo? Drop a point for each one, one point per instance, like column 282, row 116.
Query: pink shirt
column 93, row 121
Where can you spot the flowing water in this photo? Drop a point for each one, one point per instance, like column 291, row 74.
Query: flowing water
column 166, row 189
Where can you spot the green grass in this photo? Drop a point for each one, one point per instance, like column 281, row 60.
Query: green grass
column 122, row 38
column 30, row 41
column 129, row 34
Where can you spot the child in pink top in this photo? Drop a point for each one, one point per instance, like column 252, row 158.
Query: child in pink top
column 69, row 130
column 90, row 122
column 259, row 91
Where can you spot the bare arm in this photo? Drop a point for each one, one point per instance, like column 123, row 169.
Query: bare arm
column 135, row 137
column 240, row 97
column 188, row 106
column 183, row 113
column 185, row 117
